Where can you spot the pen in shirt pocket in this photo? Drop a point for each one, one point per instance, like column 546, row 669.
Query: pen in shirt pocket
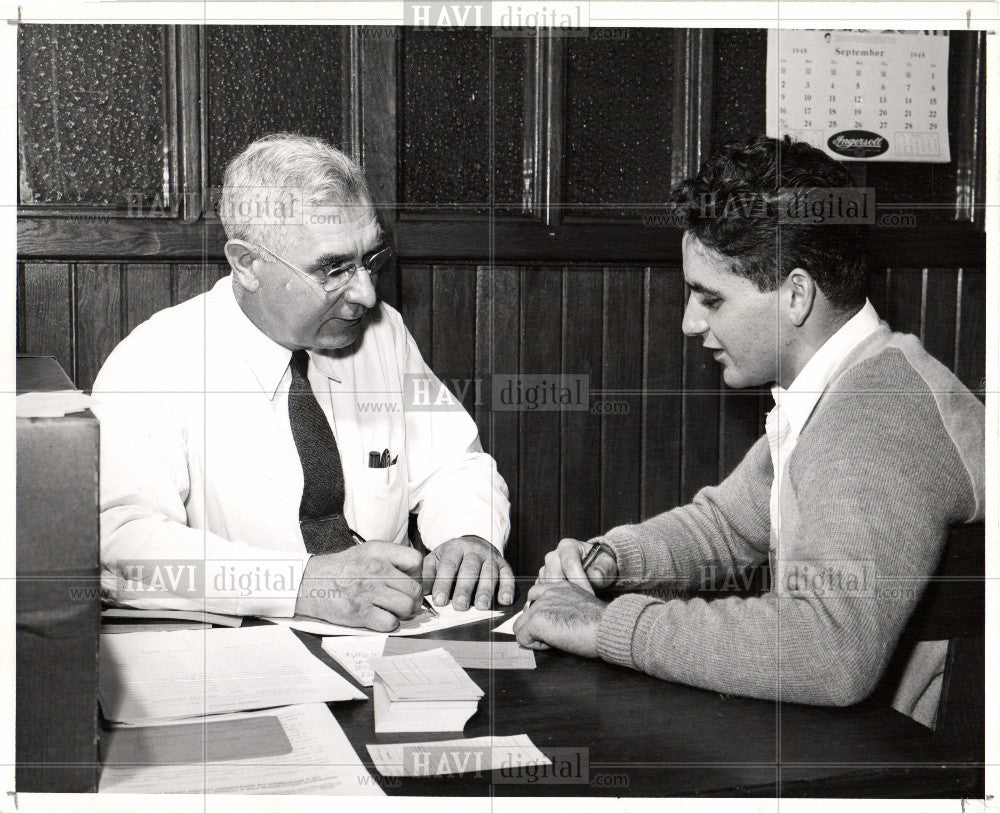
column 382, row 460
column 426, row 603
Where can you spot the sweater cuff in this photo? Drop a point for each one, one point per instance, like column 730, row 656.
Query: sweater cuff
column 617, row 627
column 628, row 555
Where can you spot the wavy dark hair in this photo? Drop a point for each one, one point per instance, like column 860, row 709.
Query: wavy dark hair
column 737, row 205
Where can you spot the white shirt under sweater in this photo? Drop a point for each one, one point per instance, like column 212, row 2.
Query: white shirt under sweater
column 198, row 463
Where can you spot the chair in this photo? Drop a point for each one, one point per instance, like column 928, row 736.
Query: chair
column 953, row 608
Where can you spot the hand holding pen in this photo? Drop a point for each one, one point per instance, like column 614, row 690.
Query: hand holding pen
column 426, row 604
column 589, row 565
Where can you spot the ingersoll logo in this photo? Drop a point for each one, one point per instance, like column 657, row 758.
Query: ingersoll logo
column 858, row 144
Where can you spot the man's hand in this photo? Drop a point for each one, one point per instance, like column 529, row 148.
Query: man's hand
column 565, row 563
column 561, row 615
column 463, row 565
column 372, row 585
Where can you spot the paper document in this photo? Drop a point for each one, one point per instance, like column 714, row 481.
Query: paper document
column 295, row 749
column 156, row 626
column 456, row 756
column 468, row 654
column 419, row 624
column 507, row 627
column 357, row 654
column 216, row 619
column 52, row 404
column 171, row 675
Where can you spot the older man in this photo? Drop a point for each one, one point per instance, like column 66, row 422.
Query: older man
column 257, row 454
column 872, row 450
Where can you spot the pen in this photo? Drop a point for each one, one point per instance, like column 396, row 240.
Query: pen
column 360, row 540
column 593, row 553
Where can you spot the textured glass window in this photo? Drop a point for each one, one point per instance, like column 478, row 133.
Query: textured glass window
column 91, row 118
column 446, row 116
column 738, row 85
column 619, row 95
column 511, row 58
column 272, row 78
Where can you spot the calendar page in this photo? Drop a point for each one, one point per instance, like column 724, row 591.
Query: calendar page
column 861, row 95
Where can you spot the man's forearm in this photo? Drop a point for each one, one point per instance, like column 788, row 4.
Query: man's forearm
column 154, row 563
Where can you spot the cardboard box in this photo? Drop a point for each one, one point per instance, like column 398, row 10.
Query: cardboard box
column 58, row 592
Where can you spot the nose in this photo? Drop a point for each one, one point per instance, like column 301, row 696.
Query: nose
column 361, row 289
column 693, row 323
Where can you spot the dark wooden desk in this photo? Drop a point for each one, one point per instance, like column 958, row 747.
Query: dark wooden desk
column 640, row 736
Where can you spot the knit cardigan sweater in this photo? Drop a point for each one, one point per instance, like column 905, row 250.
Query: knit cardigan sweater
column 892, row 454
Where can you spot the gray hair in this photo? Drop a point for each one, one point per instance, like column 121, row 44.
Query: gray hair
column 266, row 186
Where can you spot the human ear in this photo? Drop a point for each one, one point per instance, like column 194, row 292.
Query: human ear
column 799, row 295
column 242, row 259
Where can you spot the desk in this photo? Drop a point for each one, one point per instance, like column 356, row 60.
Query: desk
column 671, row 740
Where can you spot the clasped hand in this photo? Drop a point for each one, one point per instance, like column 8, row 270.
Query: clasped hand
column 563, row 611
column 377, row 584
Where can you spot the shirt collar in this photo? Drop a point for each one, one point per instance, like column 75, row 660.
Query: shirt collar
column 267, row 359
column 799, row 400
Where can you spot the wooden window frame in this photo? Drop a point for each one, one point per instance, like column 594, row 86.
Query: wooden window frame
column 541, row 233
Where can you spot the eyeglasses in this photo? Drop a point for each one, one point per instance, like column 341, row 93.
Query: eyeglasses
column 334, row 277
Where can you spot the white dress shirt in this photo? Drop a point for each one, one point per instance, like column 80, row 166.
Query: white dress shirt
column 201, row 480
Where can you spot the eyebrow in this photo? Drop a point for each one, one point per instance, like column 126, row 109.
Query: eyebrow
column 331, row 259
column 701, row 289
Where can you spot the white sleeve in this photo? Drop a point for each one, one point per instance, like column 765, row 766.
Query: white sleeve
column 150, row 557
column 454, row 485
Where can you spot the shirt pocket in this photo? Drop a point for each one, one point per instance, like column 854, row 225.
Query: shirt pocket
column 378, row 502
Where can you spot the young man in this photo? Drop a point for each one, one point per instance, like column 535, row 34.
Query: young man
column 872, row 450
column 253, row 436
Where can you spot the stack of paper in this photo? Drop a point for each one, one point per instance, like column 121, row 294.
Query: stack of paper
column 427, row 691
column 148, row 676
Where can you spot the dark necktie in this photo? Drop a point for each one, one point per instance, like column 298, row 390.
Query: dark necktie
column 321, row 512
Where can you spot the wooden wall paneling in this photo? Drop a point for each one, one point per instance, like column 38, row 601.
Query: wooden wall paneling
column 48, row 318
column 189, row 280
column 377, row 54
column 580, row 441
column 739, row 424
column 416, row 286
column 621, row 433
column 387, row 286
column 878, row 283
column 540, row 323
column 700, row 419
column 970, row 330
column 498, row 352
column 940, row 313
column 444, row 239
column 904, row 298
column 453, row 330
column 98, row 318
column 147, row 290
column 19, row 309
column 663, row 358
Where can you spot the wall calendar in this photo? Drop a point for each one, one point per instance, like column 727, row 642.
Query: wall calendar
column 861, row 95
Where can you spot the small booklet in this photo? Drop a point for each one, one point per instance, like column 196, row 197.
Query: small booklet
column 425, row 691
